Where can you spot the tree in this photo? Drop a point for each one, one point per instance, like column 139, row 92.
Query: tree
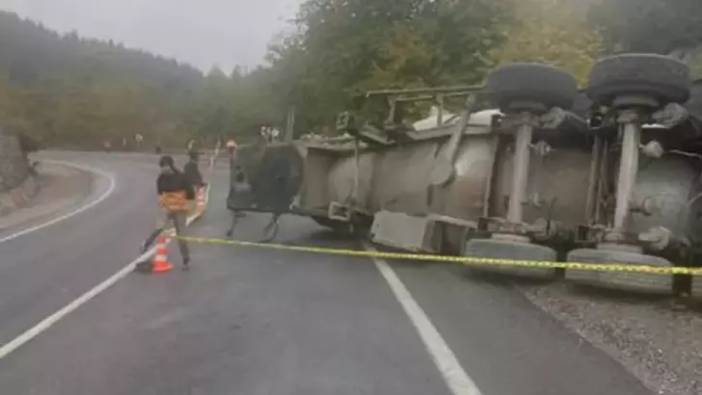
column 343, row 47
column 67, row 90
column 659, row 26
column 553, row 32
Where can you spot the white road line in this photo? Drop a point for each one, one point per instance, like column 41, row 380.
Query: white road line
column 445, row 360
column 49, row 321
column 77, row 211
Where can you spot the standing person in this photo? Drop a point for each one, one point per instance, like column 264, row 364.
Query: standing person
column 191, row 171
column 231, row 147
column 265, row 134
column 175, row 197
column 239, row 195
column 191, row 146
column 138, row 139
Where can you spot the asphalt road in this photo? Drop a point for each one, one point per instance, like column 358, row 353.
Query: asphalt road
column 250, row 322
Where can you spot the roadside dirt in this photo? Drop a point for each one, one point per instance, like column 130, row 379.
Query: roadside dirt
column 60, row 189
column 657, row 340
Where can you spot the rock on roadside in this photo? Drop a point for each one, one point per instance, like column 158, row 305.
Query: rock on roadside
column 58, row 188
column 17, row 184
column 19, row 196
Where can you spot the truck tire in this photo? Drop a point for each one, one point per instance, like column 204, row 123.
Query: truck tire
column 696, row 287
column 503, row 249
column 694, row 104
column 530, row 82
column 664, row 78
column 645, row 283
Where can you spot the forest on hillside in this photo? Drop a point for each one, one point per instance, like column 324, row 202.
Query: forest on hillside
column 70, row 91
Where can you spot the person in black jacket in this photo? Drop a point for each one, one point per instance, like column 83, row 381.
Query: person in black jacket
column 175, row 196
column 192, row 171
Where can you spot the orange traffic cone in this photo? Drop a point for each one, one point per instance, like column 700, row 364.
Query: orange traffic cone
column 160, row 263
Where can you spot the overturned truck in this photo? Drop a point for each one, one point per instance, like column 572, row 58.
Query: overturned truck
column 530, row 168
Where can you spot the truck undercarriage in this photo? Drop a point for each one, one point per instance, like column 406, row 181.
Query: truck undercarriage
column 530, row 168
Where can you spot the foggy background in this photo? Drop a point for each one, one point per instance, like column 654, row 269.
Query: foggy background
column 203, row 33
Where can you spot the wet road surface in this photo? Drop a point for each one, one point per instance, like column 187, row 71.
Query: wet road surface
column 248, row 321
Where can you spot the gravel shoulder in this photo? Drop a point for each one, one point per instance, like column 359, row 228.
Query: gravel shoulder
column 61, row 188
column 654, row 339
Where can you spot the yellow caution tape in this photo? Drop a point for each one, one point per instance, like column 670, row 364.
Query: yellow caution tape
column 465, row 260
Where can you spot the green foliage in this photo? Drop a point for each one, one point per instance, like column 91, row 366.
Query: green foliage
column 553, row 32
column 66, row 90
column 660, row 26
column 342, row 48
column 74, row 92
column 696, row 65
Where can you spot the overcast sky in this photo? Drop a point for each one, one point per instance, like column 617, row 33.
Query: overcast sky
column 200, row 32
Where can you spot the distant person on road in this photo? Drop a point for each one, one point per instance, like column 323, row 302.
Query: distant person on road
column 175, row 197
column 239, row 194
column 231, row 148
column 138, row 140
column 265, row 134
column 191, row 146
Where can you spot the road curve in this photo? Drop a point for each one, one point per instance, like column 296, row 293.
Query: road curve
column 253, row 322
column 43, row 270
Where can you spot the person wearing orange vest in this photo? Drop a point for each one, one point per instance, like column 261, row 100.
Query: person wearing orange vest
column 176, row 194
